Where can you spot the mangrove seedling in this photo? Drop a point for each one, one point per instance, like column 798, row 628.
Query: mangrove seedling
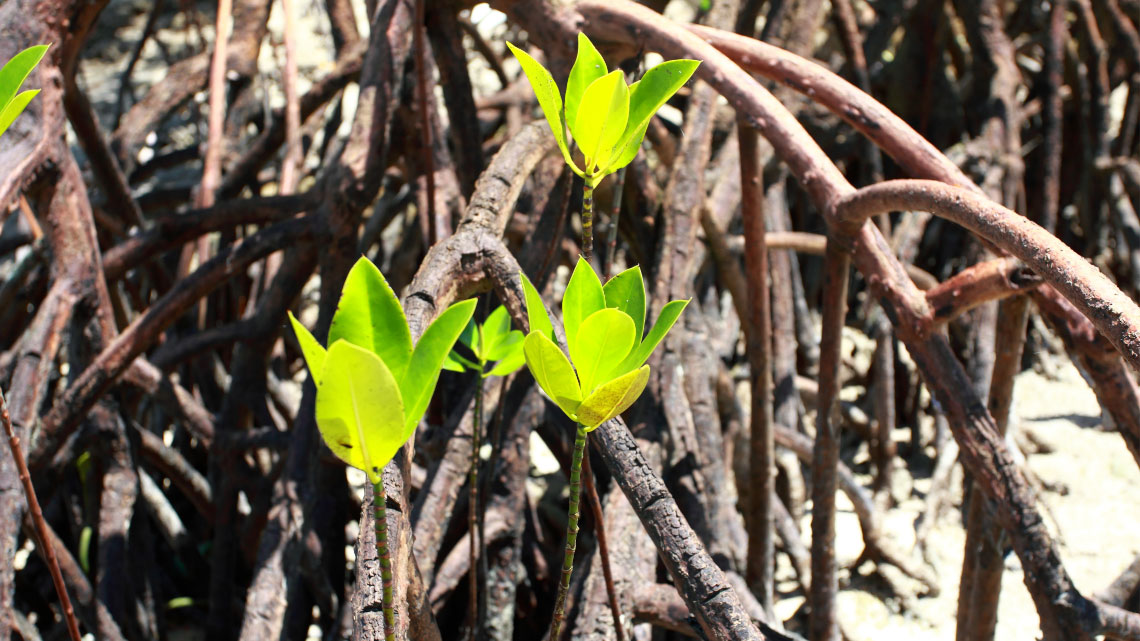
column 607, row 119
column 605, row 372
column 495, row 350
column 373, row 386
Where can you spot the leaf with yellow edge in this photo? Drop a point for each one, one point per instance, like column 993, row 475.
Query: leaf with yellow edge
column 613, row 398
column 359, row 409
column 553, row 372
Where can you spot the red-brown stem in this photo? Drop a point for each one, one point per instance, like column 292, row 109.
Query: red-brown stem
column 603, row 545
column 212, row 161
column 761, row 549
column 823, row 624
column 291, row 165
column 615, row 216
column 434, row 231
column 1052, row 115
column 43, row 541
column 988, row 557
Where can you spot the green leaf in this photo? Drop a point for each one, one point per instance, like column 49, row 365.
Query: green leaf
column 601, row 119
column 16, row 71
column 627, row 150
column 626, row 292
column 669, row 315
column 370, row 316
column 456, row 362
column 549, row 99
column 15, row 108
column 588, row 67
column 85, row 548
column 418, row 383
column 509, row 345
column 495, row 331
column 511, row 362
column 583, row 297
column 359, row 409
column 453, row 362
column 470, row 335
column 613, row 398
column 604, row 340
column 536, row 315
column 552, row 372
column 647, row 96
column 313, row 352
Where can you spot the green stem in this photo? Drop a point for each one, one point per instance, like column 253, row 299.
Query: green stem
column 588, row 222
column 473, row 508
column 571, row 532
column 380, row 516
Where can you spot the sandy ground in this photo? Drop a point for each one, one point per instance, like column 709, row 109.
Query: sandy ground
column 1091, row 490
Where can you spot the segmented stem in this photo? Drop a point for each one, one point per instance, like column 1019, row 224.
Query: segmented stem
column 588, row 223
column 571, row 530
column 380, row 516
column 473, row 510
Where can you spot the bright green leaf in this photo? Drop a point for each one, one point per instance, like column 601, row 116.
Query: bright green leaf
column 549, row 99
column 469, row 336
column 604, row 340
column 536, row 315
column 588, row 67
column 650, row 93
column 583, row 297
column 418, row 383
column 370, row 316
column 509, row 345
column 552, row 372
column 495, row 330
column 613, row 398
column 626, row 292
column 359, row 409
column 669, row 315
column 601, row 119
column 511, row 362
column 313, row 352
column 15, row 108
column 627, row 149
column 16, row 70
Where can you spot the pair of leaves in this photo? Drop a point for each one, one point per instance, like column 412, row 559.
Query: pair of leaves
column 607, row 118
column 373, row 386
column 604, row 326
column 12, row 76
column 492, row 342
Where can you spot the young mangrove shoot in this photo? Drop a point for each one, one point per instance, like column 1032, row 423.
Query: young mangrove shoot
column 373, row 385
column 607, row 119
column 605, row 371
